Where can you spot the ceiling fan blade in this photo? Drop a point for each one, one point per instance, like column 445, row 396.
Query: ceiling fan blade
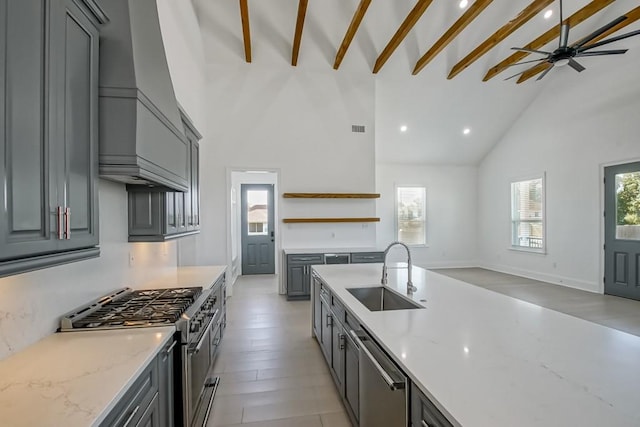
column 611, row 40
column 527, row 62
column 576, row 66
column 545, row 72
column 524, row 49
column 599, row 31
column 601, row 53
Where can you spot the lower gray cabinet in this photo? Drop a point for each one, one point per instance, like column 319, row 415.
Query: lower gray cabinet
column 166, row 386
column 149, row 401
column 423, row 411
column 325, row 334
column 351, row 377
column 298, row 267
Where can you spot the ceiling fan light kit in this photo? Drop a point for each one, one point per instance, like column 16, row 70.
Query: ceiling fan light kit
column 565, row 54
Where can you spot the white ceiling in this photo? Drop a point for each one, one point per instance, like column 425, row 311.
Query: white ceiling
column 434, row 109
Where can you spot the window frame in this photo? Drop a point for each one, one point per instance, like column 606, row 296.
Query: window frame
column 543, row 210
column 397, row 219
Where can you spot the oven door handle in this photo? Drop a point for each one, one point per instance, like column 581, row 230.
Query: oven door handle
column 194, row 349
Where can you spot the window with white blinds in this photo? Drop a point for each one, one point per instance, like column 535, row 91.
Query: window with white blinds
column 411, row 220
column 527, row 214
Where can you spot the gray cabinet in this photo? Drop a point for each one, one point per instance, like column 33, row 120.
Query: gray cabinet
column 166, row 385
column 156, row 215
column 351, row 376
column 423, row 411
column 298, row 267
column 49, row 117
column 325, row 330
column 366, row 257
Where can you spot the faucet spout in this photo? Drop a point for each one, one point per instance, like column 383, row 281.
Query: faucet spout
column 410, row 288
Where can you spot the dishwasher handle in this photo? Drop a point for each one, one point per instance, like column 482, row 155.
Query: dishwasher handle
column 363, row 342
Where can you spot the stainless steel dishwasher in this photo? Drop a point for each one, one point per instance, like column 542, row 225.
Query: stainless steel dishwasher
column 383, row 386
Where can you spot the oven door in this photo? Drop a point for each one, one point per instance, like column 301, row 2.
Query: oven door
column 198, row 364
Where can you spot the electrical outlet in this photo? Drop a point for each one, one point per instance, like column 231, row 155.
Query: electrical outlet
column 132, row 259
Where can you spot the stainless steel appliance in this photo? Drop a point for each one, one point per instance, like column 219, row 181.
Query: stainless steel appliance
column 197, row 316
column 383, row 386
column 337, row 258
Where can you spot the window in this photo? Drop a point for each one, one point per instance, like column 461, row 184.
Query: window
column 411, row 215
column 527, row 214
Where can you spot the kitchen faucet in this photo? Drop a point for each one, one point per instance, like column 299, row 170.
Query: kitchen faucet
column 410, row 288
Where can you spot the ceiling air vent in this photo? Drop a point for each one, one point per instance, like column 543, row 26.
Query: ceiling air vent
column 357, row 128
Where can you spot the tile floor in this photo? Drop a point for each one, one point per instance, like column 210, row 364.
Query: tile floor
column 272, row 372
column 614, row 312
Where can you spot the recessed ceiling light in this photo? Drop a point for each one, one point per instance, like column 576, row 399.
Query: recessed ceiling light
column 466, row 131
column 548, row 14
column 463, row 3
column 403, row 128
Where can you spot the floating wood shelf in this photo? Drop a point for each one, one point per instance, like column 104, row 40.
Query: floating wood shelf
column 331, row 195
column 308, row 220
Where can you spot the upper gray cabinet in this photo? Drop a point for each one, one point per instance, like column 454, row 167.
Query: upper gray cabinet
column 49, row 114
column 156, row 215
column 141, row 137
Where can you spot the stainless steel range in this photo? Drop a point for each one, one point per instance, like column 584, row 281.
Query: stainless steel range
column 198, row 317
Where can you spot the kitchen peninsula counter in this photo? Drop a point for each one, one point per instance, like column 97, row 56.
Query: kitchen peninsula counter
column 76, row 378
column 486, row 359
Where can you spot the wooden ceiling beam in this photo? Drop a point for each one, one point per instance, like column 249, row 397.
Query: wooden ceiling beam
column 632, row 16
column 524, row 16
column 246, row 33
column 297, row 38
column 575, row 19
column 409, row 22
column 467, row 18
column 351, row 32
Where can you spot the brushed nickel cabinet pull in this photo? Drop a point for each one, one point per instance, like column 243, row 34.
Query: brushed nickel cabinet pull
column 59, row 220
column 67, row 226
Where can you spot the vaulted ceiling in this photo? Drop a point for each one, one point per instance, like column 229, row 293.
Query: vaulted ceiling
column 438, row 67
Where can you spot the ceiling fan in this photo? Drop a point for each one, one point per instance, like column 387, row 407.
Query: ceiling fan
column 565, row 54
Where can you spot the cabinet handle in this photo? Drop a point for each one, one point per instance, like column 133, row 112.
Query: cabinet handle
column 133, row 414
column 425, row 424
column 342, row 338
column 67, row 222
column 329, row 320
column 171, row 348
column 60, row 224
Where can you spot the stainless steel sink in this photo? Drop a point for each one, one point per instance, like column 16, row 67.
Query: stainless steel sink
column 379, row 298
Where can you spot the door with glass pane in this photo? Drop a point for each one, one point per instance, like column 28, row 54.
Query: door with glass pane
column 622, row 230
column 257, row 222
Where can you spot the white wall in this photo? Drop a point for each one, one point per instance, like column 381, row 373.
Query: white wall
column 577, row 124
column 31, row 303
column 451, row 211
column 298, row 123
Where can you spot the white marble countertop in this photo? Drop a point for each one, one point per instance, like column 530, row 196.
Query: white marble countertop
column 75, row 378
column 486, row 359
column 288, row 251
column 204, row 276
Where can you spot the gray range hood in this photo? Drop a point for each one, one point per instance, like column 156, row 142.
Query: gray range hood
column 142, row 138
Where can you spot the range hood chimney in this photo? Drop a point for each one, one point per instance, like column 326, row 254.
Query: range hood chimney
column 142, row 139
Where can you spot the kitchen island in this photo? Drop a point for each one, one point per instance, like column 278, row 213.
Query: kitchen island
column 486, row 359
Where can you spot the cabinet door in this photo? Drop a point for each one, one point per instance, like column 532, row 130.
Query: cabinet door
column 151, row 416
column 351, row 376
column 195, row 185
column 171, row 225
column 28, row 223
column 325, row 335
column 296, row 277
column 75, row 49
column 424, row 412
column 306, row 285
column 181, row 214
column 317, row 328
column 166, row 360
column 337, row 353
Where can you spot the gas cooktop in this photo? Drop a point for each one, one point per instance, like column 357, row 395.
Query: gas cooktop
column 128, row 308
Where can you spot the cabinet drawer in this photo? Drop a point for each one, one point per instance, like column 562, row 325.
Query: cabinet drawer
column 423, row 411
column 337, row 308
column 133, row 405
column 351, row 322
column 305, row 259
column 366, row 257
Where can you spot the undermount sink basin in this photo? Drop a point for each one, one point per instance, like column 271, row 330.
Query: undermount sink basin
column 379, row 298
